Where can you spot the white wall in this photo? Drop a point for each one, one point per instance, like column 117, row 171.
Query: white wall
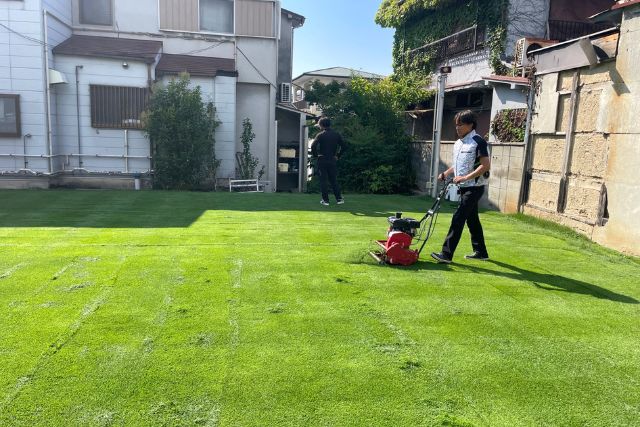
column 97, row 141
column 262, row 63
column 506, row 98
column 467, row 68
column 59, row 28
column 21, row 73
column 253, row 103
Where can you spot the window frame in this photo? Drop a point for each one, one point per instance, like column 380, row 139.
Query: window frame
column 96, row 114
column 16, row 103
column 79, row 4
column 233, row 21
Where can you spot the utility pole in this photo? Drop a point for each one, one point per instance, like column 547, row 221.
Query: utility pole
column 437, row 129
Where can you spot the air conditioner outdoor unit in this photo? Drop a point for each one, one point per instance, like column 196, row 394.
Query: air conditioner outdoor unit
column 526, row 45
column 285, row 93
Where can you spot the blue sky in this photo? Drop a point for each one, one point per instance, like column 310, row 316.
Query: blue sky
column 340, row 33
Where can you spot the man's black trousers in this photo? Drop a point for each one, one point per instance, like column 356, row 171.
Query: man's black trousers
column 467, row 212
column 328, row 175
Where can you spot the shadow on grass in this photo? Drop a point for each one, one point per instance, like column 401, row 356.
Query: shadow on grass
column 163, row 209
column 543, row 281
column 550, row 282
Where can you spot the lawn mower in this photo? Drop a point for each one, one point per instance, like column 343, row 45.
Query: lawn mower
column 396, row 249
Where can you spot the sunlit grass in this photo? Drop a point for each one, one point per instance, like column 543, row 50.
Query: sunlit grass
column 157, row 308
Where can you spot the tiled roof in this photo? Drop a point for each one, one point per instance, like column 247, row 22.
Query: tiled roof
column 199, row 66
column 110, row 47
column 508, row 79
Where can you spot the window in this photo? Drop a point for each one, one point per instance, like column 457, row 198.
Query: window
column 10, row 116
column 216, row 16
column 96, row 12
column 116, row 107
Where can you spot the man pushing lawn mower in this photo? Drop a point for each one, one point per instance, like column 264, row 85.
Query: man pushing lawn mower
column 470, row 169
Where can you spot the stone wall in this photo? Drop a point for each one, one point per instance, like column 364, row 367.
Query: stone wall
column 583, row 176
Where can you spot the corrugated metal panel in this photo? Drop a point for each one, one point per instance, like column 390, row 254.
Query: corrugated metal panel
column 255, row 18
column 179, row 15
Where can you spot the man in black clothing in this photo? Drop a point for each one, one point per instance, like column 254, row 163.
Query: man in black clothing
column 470, row 169
column 328, row 147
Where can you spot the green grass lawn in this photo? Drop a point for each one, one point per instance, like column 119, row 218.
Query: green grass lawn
column 159, row 308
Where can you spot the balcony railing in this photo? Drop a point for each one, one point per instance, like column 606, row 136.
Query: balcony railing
column 568, row 30
column 467, row 40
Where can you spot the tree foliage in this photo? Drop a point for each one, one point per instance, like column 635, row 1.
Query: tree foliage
column 182, row 128
column 369, row 115
column 393, row 13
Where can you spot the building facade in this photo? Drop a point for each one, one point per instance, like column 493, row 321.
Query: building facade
column 75, row 76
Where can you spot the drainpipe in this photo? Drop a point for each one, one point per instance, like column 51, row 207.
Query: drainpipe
column 437, row 133
column 47, row 88
column 24, row 150
column 78, row 68
column 126, row 151
column 526, row 174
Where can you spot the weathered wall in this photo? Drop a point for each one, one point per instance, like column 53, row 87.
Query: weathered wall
column 527, row 18
column 602, row 198
column 506, row 176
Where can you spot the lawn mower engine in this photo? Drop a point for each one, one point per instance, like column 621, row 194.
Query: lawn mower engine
column 396, row 249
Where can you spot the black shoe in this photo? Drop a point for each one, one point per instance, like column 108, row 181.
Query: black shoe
column 477, row 255
column 440, row 257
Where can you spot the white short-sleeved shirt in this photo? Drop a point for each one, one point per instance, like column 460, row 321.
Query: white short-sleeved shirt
column 467, row 152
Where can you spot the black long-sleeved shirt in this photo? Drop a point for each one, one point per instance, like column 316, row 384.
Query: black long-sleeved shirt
column 328, row 143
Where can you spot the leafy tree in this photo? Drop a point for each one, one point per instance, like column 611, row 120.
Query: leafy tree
column 369, row 115
column 182, row 128
column 247, row 162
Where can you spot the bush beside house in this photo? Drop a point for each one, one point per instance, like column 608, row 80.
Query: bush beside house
column 181, row 128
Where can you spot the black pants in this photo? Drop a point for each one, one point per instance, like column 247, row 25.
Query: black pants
column 467, row 212
column 328, row 174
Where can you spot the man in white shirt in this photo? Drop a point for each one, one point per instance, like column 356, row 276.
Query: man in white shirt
column 471, row 164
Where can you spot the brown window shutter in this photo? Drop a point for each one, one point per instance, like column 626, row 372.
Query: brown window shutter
column 255, row 18
column 179, row 15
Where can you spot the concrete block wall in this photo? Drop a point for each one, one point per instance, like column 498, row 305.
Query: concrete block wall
column 507, row 161
column 503, row 191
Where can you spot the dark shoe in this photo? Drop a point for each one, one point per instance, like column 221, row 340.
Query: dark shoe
column 440, row 257
column 477, row 255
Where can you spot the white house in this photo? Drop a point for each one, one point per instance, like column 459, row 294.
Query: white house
column 75, row 76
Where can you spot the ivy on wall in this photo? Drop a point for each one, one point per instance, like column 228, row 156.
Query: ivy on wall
column 509, row 125
column 419, row 22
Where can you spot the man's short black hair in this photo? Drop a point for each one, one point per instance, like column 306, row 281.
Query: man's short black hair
column 467, row 117
column 324, row 122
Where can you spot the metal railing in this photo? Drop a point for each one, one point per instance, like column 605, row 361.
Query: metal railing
column 467, row 40
column 568, row 30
